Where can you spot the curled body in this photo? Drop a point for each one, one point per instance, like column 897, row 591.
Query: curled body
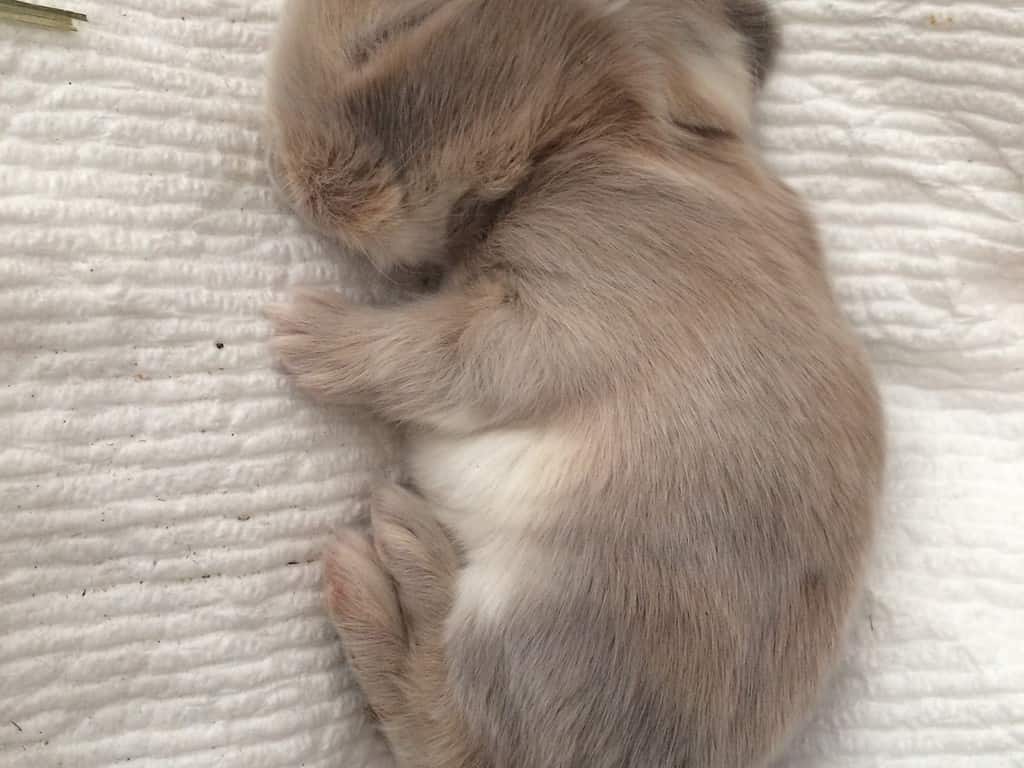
column 643, row 447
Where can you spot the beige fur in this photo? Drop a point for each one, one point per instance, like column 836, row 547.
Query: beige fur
column 644, row 446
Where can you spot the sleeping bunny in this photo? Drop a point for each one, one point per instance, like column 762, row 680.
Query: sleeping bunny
column 643, row 449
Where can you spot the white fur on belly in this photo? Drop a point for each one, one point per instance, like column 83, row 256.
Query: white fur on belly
column 489, row 488
column 491, row 485
column 493, row 577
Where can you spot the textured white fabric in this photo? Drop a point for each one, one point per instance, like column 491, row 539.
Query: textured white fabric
column 164, row 494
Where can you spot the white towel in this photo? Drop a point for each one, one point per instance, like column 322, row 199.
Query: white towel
column 165, row 494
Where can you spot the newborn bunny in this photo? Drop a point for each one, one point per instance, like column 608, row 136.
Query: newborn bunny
column 643, row 447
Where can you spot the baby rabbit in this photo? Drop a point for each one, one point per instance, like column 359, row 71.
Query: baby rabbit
column 643, row 448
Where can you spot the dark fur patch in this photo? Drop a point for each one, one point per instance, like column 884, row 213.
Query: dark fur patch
column 755, row 21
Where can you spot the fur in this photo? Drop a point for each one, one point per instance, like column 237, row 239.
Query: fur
column 643, row 447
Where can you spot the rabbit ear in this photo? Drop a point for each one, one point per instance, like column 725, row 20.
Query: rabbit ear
column 755, row 21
